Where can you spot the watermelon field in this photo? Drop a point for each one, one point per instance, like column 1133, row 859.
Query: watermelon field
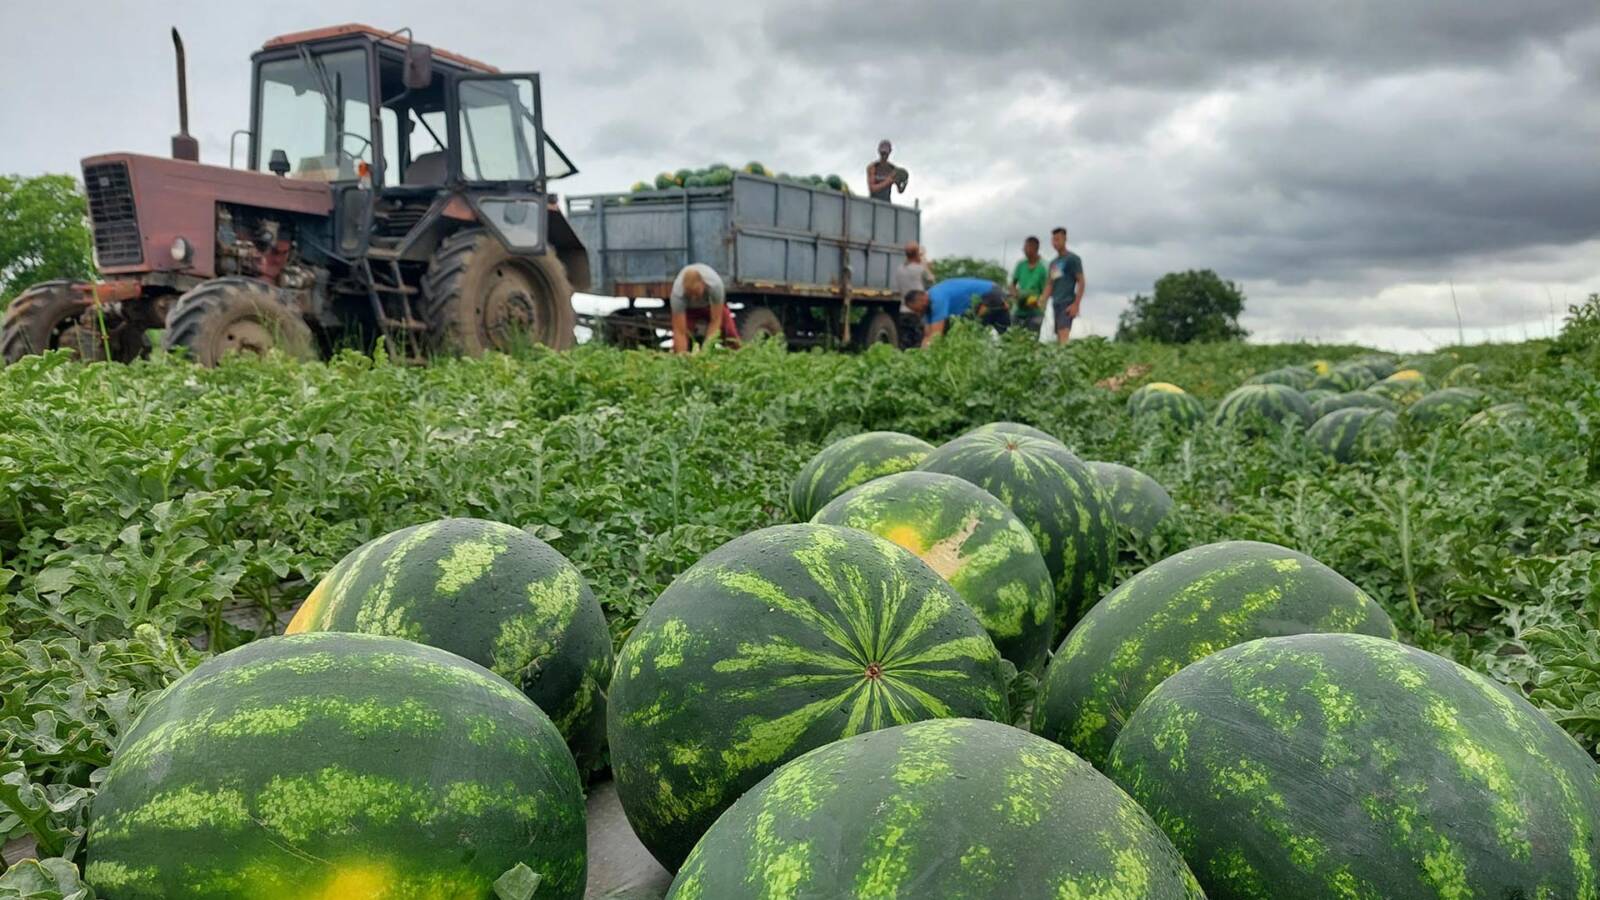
column 1319, row 622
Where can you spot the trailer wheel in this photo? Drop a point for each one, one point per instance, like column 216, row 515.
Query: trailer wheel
column 44, row 317
column 879, row 328
column 236, row 315
column 479, row 296
column 757, row 322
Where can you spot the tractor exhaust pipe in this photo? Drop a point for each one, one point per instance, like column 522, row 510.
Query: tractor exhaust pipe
column 183, row 146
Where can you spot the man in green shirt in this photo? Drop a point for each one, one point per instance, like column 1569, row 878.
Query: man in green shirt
column 1028, row 280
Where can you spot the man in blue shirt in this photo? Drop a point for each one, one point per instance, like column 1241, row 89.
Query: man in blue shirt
column 957, row 297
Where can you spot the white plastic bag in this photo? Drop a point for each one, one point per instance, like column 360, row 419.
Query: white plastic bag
column 1047, row 328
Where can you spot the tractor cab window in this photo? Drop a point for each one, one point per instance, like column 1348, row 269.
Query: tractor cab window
column 314, row 107
column 497, row 130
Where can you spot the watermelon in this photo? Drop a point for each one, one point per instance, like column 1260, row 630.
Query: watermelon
column 953, row 808
column 1379, row 364
column 846, row 463
column 1345, row 377
column 1297, row 377
column 1354, row 433
column 491, row 593
column 973, row 541
column 639, row 187
column 1446, row 408
column 1183, row 608
column 1319, row 366
column 1056, row 495
column 776, row 643
column 1352, row 399
column 1015, row 428
column 1504, row 415
column 1138, row 502
column 1464, row 374
column 666, row 180
column 337, row 765
column 1339, row 765
column 1167, row 404
column 1404, row 387
column 1317, row 395
column 1262, row 409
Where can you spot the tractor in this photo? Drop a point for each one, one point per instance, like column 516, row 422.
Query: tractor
column 390, row 191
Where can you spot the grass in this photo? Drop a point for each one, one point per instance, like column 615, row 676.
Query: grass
column 138, row 502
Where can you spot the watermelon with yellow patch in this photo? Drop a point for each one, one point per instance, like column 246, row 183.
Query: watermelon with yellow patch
column 1404, row 387
column 1179, row 610
column 331, row 766
column 772, row 645
column 1167, row 404
column 491, row 593
column 1055, row 495
column 1342, row 765
column 937, row 810
column 973, row 541
column 851, row 461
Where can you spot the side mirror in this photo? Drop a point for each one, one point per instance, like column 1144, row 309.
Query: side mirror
column 278, row 163
column 419, row 66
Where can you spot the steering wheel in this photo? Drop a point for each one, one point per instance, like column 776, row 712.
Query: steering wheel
column 366, row 146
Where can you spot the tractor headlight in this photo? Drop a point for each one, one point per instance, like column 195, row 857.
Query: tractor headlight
column 181, row 250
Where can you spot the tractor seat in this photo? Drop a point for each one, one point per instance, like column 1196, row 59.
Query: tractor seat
column 429, row 168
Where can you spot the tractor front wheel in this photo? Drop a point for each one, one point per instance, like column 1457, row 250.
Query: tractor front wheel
column 479, row 296
column 236, row 315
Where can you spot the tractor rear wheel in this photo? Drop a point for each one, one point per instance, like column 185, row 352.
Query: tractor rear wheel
column 44, row 317
column 479, row 296
column 756, row 322
column 878, row 328
column 236, row 315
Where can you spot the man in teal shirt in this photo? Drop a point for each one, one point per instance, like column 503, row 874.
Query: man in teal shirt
column 1066, row 285
column 1028, row 281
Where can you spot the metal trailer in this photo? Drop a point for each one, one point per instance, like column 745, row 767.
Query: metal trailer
column 807, row 262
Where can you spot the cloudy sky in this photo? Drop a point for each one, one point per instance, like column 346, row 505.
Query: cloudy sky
column 1364, row 169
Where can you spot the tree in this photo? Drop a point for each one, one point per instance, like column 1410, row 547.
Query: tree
column 968, row 267
column 1186, row 307
column 44, row 232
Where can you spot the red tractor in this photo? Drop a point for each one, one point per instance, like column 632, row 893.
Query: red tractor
column 390, row 190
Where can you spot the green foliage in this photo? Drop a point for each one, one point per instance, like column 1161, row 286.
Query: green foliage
column 968, row 267
column 1581, row 333
column 1185, row 307
column 164, row 495
column 44, row 232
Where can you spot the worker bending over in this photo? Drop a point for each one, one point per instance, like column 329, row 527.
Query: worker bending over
column 957, row 297
column 698, row 297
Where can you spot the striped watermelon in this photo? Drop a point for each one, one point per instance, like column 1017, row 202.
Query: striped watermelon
column 1464, row 374
column 1056, row 495
column 954, row 808
column 1354, row 433
column 491, row 593
column 1297, row 377
column 973, row 541
column 1138, row 502
column 1350, row 400
column 1167, row 404
column 846, row 463
column 1015, row 428
column 776, row 643
column 337, row 766
column 1317, row 395
column 1336, row 765
column 1346, row 377
column 1183, row 608
column 1404, row 387
column 1447, row 408
column 1262, row 409
column 1379, row 364
column 1504, row 415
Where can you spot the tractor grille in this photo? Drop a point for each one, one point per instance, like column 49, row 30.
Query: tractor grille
column 116, row 224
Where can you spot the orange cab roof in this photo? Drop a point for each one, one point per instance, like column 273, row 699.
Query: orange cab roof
column 388, row 37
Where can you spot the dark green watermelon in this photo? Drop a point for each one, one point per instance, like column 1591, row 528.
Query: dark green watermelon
column 1352, row 400
column 1354, row 433
column 850, row 461
column 1014, row 428
column 1297, row 377
column 1168, row 404
column 1138, row 502
column 1447, row 408
column 1262, row 409
column 337, row 765
column 491, row 593
column 1346, row 377
column 774, row 644
column 939, row 810
column 1177, row 611
column 1059, row 499
column 973, row 541
column 1317, row 395
column 1337, row 765
column 1381, row 365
